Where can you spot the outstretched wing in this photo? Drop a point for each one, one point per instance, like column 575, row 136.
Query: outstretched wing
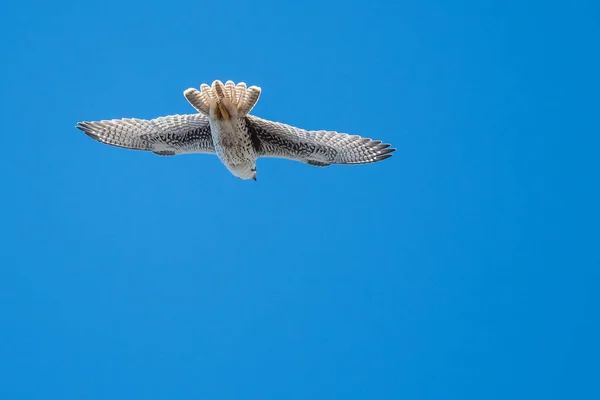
column 320, row 148
column 165, row 136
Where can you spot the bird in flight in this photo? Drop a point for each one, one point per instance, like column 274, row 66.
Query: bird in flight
column 223, row 126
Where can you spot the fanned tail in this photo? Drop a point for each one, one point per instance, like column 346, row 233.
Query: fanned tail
column 223, row 101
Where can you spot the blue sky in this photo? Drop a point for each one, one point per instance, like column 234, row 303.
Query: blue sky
column 466, row 266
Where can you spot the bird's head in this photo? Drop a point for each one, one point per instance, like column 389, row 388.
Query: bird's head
column 246, row 172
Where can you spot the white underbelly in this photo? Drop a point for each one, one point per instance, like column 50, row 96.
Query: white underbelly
column 233, row 146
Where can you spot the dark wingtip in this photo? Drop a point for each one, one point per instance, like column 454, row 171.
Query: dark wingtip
column 85, row 128
column 383, row 157
column 385, row 154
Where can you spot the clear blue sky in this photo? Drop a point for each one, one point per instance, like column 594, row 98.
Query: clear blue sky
column 464, row 267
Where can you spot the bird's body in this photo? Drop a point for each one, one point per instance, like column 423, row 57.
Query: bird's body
column 226, row 107
column 233, row 146
column 224, row 127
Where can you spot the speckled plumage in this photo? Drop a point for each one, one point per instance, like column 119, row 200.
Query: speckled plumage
column 224, row 127
column 226, row 107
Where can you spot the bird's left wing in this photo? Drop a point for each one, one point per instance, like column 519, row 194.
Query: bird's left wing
column 165, row 136
column 319, row 148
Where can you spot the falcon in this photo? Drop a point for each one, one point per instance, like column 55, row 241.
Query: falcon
column 223, row 126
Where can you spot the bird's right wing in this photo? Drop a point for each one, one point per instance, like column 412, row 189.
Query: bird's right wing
column 165, row 136
column 319, row 148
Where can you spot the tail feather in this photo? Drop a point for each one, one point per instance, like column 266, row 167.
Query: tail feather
column 230, row 89
column 250, row 99
column 223, row 101
column 199, row 100
column 240, row 89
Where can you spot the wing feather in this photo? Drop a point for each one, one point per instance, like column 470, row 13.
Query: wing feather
column 170, row 135
column 320, row 148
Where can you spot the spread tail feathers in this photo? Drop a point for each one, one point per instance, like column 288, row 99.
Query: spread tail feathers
column 223, row 101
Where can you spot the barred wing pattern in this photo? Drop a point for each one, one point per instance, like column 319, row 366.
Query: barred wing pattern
column 165, row 136
column 320, row 148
